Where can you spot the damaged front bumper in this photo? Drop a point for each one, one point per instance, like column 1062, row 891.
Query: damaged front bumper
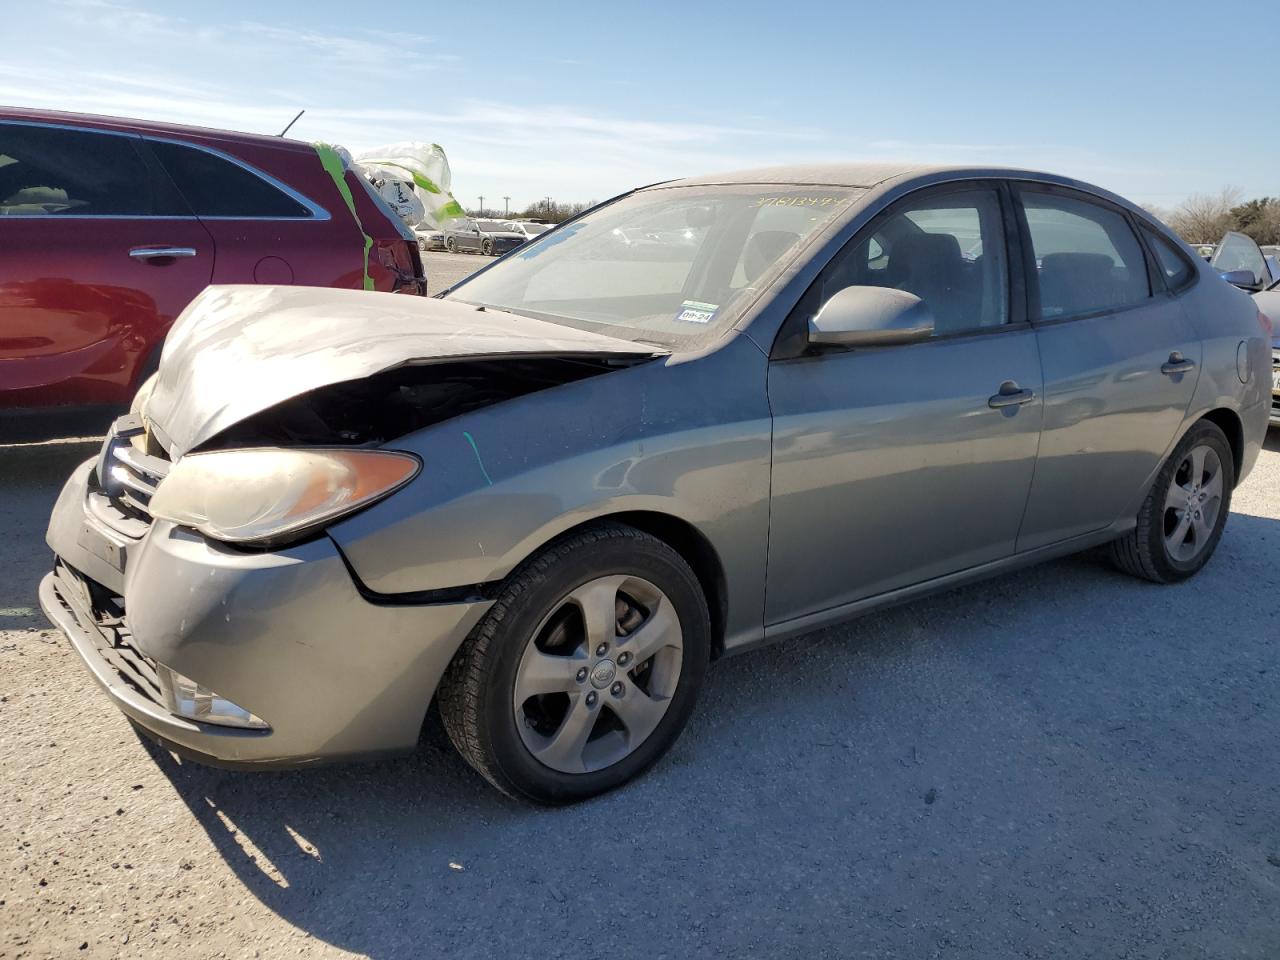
column 287, row 636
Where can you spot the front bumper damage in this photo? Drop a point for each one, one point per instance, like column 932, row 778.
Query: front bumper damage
column 286, row 635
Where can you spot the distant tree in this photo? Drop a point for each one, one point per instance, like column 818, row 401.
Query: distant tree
column 1204, row 218
column 1259, row 218
column 553, row 211
column 1160, row 213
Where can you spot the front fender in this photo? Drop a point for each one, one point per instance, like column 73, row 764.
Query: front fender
column 687, row 439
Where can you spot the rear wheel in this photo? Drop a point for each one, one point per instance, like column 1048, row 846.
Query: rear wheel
column 1182, row 519
column 585, row 670
column 487, row 248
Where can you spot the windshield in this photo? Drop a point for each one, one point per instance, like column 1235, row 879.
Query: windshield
column 491, row 227
column 669, row 265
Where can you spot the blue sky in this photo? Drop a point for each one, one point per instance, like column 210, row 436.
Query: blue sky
column 583, row 100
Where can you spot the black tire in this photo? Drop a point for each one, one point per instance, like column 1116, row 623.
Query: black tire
column 448, row 245
column 487, row 248
column 477, row 691
column 1143, row 551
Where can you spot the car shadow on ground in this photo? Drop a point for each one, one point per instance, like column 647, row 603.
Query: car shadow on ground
column 31, row 475
column 1064, row 758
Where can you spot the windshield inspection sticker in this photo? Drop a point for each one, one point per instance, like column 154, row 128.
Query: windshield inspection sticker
column 691, row 311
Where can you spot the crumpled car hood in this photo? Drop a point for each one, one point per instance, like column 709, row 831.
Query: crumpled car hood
column 237, row 350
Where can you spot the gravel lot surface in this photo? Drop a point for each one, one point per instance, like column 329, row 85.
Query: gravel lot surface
column 446, row 269
column 1063, row 763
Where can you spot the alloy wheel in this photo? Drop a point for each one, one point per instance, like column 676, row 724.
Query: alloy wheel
column 1192, row 505
column 598, row 675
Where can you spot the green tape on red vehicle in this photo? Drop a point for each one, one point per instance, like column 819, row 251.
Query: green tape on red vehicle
column 335, row 165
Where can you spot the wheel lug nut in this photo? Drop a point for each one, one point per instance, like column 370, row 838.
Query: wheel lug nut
column 582, row 674
column 592, row 698
column 624, row 659
column 617, row 689
column 602, row 650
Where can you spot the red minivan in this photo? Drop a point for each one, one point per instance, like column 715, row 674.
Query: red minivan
column 109, row 227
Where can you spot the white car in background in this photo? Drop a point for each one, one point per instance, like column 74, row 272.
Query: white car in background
column 429, row 238
column 526, row 229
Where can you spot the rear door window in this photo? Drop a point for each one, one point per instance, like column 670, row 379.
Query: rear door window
column 1175, row 267
column 60, row 172
column 1087, row 257
column 217, row 187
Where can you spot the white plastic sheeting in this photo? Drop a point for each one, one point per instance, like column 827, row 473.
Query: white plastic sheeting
column 414, row 179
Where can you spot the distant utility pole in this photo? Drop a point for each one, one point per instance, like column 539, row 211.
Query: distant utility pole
column 482, row 204
column 547, row 207
column 506, row 206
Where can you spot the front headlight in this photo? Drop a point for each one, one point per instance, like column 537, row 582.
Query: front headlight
column 262, row 495
column 140, row 398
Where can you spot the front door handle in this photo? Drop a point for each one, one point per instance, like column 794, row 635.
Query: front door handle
column 1176, row 364
column 161, row 253
column 1010, row 395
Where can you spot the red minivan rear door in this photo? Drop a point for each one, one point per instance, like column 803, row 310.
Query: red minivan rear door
column 267, row 230
column 98, row 255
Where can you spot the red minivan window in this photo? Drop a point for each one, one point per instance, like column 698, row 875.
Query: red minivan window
column 217, row 187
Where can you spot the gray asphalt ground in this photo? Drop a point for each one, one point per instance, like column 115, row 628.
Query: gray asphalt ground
column 1062, row 763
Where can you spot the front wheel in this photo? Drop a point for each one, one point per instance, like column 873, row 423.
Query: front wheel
column 448, row 245
column 585, row 670
column 1182, row 519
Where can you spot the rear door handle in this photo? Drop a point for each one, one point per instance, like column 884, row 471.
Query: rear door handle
column 1176, row 364
column 1010, row 395
column 161, row 253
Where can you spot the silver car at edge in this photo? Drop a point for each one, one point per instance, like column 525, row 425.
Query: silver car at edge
column 551, row 496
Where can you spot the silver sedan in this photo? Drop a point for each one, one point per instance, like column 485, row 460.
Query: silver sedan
column 550, row 497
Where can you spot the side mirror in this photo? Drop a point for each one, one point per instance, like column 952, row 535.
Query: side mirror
column 871, row 316
column 1244, row 279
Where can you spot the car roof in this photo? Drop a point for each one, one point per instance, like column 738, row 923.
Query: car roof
column 868, row 176
column 864, row 175
column 147, row 127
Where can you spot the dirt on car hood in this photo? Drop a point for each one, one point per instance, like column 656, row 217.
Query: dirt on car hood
column 238, row 350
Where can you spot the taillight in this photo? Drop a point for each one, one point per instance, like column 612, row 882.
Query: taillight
column 1265, row 322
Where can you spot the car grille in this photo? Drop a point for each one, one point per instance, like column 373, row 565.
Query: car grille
column 101, row 618
column 125, row 479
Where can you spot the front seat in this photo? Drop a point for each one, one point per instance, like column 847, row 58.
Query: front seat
column 931, row 266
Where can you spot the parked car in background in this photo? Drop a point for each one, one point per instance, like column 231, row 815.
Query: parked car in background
column 548, row 499
column 493, row 238
column 1251, row 269
column 527, row 229
column 1269, row 303
column 1240, row 261
column 429, row 238
column 110, row 227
